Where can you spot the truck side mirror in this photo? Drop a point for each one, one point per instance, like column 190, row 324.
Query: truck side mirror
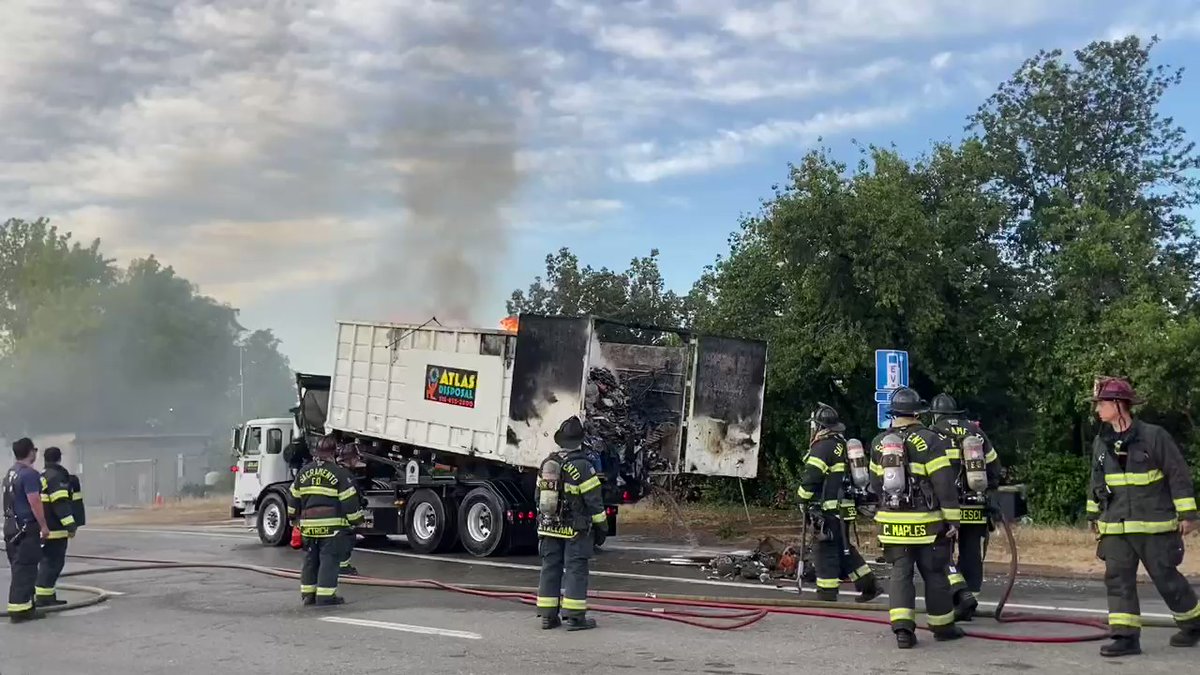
column 236, row 439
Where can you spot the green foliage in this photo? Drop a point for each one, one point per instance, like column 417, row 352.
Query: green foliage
column 1052, row 245
column 1059, row 486
column 95, row 348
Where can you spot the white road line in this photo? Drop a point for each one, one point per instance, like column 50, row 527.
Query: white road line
column 403, row 627
column 197, row 533
column 622, row 575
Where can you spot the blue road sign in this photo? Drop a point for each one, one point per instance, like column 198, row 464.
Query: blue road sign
column 883, row 396
column 881, row 418
column 891, row 369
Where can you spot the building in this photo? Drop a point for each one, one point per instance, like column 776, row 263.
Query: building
column 131, row 470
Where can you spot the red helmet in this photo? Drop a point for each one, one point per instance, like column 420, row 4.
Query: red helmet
column 1116, row 389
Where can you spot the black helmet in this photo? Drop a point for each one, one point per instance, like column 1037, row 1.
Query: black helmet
column 905, row 402
column 827, row 418
column 570, row 433
column 327, row 446
column 944, row 404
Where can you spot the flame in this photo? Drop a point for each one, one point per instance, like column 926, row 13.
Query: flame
column 509, row 324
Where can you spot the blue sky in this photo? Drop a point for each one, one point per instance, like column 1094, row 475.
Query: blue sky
column 387, row 159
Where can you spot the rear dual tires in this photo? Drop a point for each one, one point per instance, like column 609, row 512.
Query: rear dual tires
column 482, row 527
column 431, row 522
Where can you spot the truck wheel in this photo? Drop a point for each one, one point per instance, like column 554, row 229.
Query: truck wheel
column 429, row 522
column 273, row 525
column 481, row 526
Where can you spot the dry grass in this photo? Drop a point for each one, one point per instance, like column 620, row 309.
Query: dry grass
column 190, row 511
column 1042, row 550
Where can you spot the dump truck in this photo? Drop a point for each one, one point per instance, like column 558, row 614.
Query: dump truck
column 449, row 425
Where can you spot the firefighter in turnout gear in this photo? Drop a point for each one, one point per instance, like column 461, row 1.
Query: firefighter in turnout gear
column 826, row 495
column 569, row 506
column 918, row 517
column 25, row 527
column 58, row 503
column 977, row 478
column 349, row 459
column 1141, row 503
column 327, row 502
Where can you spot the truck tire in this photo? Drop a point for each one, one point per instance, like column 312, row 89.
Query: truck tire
column 481, row 525
column 429, row 522
column 274, row 526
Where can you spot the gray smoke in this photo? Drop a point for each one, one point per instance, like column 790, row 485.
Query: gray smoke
column 454, row 146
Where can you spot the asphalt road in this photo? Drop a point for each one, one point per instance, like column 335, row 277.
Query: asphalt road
column 206, row 621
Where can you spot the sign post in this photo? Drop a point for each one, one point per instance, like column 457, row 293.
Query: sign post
column 891, row 373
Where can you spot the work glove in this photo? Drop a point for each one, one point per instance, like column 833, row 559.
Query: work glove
column 952, row 532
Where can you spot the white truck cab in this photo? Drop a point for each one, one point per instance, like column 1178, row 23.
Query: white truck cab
column 258, row 447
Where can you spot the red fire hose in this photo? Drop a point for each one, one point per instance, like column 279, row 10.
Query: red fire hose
column 730, row 613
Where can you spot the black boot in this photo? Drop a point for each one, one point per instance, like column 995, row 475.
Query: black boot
column 965, row 606
column 49, row 602
column 551, row 622
column 27, row 615
column 906, row 639
column 1186, row 637
column 1122, row 645
column 827, row 595
column 330, row 600
column 308, row 598
column 948, row 633
column 870, row 590
column 575, row 623
column 348, row 571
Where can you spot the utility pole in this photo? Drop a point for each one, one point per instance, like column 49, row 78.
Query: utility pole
column 241, row 381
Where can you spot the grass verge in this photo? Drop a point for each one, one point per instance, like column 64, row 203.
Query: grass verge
column 1042, row 550
column 189, row 511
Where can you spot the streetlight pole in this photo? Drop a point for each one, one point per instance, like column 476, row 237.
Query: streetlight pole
column 241, row 381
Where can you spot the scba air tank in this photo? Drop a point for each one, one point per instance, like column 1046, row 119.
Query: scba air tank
column 974, row 463
column 858, row 463
column 892, row 460
column 549, row 479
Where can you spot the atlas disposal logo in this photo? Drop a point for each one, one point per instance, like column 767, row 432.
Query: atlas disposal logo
column 451, row 386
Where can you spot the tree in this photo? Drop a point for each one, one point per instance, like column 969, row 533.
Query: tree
column 138, row 349
column 1098, row 184
column 269, row 380
column 38, row 262
column 637, row 295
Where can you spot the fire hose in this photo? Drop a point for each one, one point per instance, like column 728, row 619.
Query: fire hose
column 719, row 613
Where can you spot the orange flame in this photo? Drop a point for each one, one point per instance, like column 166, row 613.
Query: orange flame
column 509, row 324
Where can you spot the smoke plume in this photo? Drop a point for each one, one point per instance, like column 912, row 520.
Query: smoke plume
column 454, row 147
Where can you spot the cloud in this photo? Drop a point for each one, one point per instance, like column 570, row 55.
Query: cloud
column 648, row 163
column 266, row 147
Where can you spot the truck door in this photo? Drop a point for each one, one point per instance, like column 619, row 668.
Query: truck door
column 249, row 481
column 725, row 407
column 272, row 467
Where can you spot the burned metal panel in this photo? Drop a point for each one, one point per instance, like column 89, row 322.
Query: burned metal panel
column 549, row 368
column 725, row 416
column 655, row 376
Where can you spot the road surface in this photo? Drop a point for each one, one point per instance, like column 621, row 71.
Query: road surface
column 227, row 621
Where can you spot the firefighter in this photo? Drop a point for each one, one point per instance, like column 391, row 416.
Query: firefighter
column 918, row 517
column 327, row 502
column 976, row 483
column 824, row 489
column 24, row 518
column 1141, row 504
column 569, row 506
column 58, row 503
column 348, row 458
